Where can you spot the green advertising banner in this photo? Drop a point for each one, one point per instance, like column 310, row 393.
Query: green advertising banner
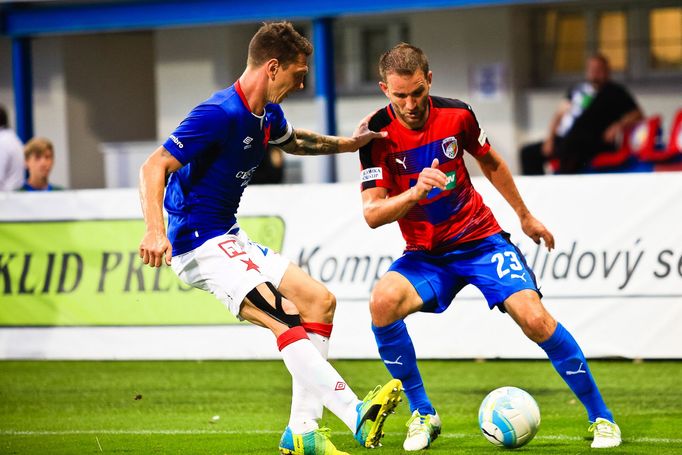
column 88, row 273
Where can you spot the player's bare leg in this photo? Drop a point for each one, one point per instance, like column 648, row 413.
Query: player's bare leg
column 393, row 298
column 569, row 361
column 313, row 300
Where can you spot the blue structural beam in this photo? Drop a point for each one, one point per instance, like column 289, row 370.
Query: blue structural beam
column 38, row 19
column 325, row 93
column 22, row 80
column 22, row 21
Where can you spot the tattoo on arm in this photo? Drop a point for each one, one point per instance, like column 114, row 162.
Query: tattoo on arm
column 310, row 143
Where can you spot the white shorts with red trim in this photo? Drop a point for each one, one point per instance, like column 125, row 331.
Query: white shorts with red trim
column 230, row 266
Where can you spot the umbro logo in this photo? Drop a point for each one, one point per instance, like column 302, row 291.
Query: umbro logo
column 176, row 141
column 340, row 386
column 247, row 141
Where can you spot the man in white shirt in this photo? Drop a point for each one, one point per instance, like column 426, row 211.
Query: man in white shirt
column 11, row 156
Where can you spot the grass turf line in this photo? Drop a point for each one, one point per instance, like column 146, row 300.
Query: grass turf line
column 168, row 407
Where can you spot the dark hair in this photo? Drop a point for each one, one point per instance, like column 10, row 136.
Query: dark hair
column 403, row 59
column 3, row 117
column 277, row 40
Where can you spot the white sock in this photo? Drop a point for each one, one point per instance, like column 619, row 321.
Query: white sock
column 317, row 376
column 306, row 407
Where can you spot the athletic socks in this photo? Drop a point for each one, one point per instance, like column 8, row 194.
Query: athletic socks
column 397, row 352
column 306, row 408
column 316, row 375
column 569, row 361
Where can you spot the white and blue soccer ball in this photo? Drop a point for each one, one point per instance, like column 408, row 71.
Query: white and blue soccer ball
column 509, row 417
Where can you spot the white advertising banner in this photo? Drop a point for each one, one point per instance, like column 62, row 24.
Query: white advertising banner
column 614, row 279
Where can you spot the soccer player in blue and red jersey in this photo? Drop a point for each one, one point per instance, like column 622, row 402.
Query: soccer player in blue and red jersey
column 417, row 177
column 208, row 161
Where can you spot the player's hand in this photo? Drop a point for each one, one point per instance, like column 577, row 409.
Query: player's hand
column 534, row 229
column 429, row 178
column 362, row 134
column 154, row 248
column 612, row 133
column 548, row 147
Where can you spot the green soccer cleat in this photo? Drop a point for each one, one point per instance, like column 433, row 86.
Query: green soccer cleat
column 373, row 411
column 314, row 442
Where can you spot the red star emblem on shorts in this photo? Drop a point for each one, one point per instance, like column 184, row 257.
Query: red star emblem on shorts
column 250, row 265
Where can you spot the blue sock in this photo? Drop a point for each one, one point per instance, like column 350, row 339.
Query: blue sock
column 569, row 361
column 397, row 352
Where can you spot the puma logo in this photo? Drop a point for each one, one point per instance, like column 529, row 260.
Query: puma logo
column 578, row 371
column 522, row 276
column 394, row 362
column 399, row 161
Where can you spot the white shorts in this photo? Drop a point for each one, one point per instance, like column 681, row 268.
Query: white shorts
column 230, row 266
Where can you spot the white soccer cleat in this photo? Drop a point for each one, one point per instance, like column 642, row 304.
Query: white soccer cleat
column 606, row 434
column 422, row 430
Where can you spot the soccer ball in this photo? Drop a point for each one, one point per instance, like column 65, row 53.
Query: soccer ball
column 509, row 417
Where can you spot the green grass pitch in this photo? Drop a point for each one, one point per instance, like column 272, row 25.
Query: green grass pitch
column 157, row 407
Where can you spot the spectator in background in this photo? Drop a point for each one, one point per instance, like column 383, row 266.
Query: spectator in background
column 39, row 158
column 11, row 158
column 588, row 121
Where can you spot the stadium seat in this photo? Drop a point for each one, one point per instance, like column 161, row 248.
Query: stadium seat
column 638, row 141
column 673, row 148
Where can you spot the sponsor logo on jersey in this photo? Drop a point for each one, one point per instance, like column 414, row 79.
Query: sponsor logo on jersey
column 450, row 147
column 450, row 183
column 176, row 141
column 372, row 173
column 451, row 180
column 482, row 138
column 399, row 161
column 246, row 175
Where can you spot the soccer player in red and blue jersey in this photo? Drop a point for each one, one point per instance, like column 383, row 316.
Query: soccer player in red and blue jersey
column 208, row 161
column 417, row 177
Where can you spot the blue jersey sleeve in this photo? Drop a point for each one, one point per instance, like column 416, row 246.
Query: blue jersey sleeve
column 281, row 131
column 204, row 126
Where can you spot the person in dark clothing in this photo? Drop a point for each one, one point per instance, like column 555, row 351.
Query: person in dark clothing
column 588, row 121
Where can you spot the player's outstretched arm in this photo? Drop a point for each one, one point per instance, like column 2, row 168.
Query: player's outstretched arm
column 310, row 143
column 497, row 171
column 379, row 209
column 155, row 246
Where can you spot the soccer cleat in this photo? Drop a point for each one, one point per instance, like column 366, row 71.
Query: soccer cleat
column 422, row 430
column 373, row 411
column 606, row 434
column 314, row 442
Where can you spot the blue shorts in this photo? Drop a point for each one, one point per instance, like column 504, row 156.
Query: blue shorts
column 494, row 265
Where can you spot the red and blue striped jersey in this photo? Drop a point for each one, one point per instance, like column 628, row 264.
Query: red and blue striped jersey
column 445, row 218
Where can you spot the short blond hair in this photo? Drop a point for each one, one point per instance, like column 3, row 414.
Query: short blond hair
column 37, row 147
